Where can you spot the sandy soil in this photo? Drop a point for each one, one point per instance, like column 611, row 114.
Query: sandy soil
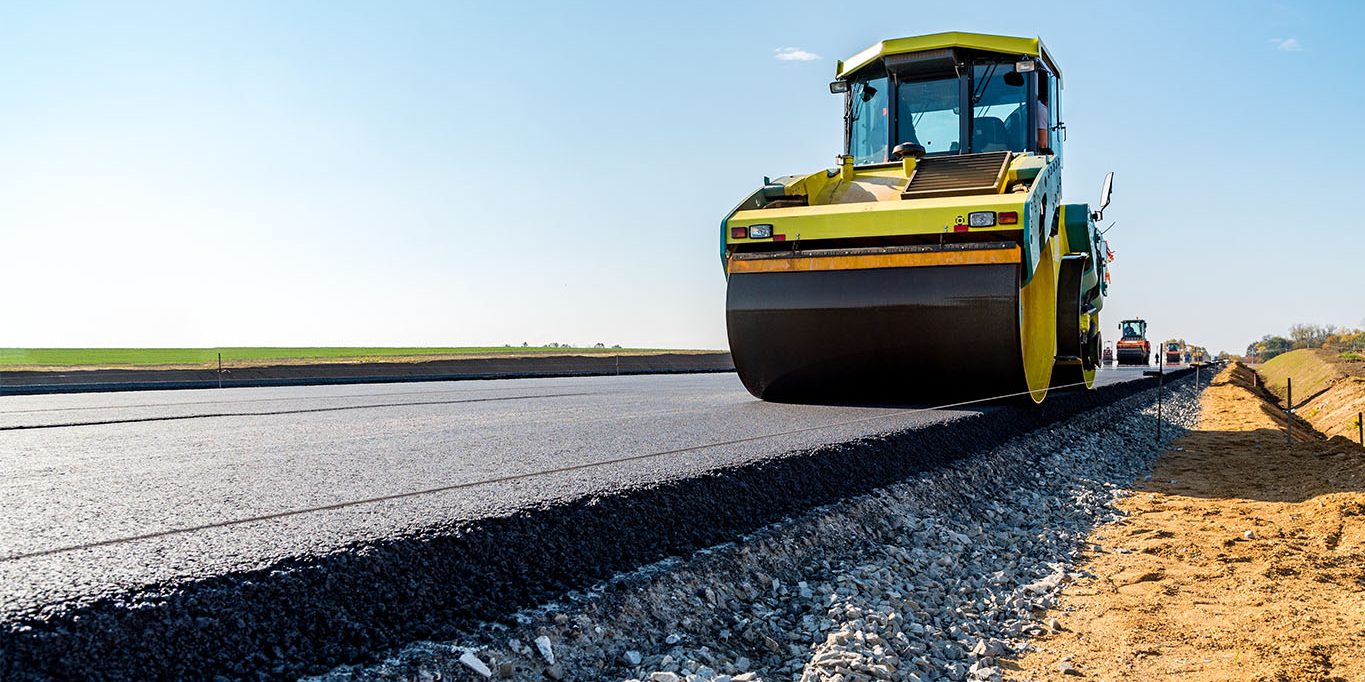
column 1242, row 559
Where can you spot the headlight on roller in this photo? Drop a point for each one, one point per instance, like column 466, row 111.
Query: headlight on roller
column 981, row 219
column 760, row 231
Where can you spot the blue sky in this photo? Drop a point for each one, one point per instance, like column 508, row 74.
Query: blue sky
column 330, row 173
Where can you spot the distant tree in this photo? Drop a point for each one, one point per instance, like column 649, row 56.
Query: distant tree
column 617, row 346
column 1269, row 346
column 1310, row 335
column 1345, row 340
column 552, row 344
column 524, row 344
column 599, row 344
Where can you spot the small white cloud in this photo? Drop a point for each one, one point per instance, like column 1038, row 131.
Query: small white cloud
column 794, row 54
column 1287, row 44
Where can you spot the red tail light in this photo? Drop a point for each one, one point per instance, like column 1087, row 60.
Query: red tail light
column 1009, row 218
column 739, row 233
column 960, row 228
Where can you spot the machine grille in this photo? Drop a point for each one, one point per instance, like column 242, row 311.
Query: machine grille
column 958, row 175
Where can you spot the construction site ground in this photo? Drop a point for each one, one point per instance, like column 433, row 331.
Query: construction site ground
column 1242, row 558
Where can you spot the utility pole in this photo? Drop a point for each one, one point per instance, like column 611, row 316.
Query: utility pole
column 1289, row 413
column 1160, row 376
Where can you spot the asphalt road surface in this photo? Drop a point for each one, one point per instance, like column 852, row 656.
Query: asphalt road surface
column 104, row 493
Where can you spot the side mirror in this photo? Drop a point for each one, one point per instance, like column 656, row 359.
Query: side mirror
column 1105, row 192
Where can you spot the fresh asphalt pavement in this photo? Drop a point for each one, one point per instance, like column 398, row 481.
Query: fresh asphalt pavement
column 105, row 493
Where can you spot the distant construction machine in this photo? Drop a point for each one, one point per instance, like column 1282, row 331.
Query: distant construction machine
column 1133, row 346
column 1175, row 352
column 936, row 258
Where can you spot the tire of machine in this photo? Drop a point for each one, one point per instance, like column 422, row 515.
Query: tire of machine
column 1077, row 346
column 1095, row 341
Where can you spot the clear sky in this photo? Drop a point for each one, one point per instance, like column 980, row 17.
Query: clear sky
column 443, row 173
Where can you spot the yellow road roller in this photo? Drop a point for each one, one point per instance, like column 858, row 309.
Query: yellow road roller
column 936, row 260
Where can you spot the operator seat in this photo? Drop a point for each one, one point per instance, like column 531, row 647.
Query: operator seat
column 989, row 135
column 1016, row 130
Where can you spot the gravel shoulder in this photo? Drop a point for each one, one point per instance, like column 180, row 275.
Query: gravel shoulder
column 1242, row 558
column 939, row 577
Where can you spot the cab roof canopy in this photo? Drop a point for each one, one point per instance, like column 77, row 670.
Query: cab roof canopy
column 1007, row 45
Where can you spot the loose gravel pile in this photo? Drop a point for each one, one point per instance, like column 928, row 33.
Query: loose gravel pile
column 935, row 578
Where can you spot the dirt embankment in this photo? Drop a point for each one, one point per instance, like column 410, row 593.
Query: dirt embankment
column 1329, row 393
column 1242, row 559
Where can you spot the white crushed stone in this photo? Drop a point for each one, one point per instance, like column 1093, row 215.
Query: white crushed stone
column 547, row 650
column 473, row 663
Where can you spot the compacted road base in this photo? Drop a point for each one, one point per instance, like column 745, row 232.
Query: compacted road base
column 243, row 534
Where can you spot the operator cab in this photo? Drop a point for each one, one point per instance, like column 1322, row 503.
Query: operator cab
column 1133, row 329
column 918, row 98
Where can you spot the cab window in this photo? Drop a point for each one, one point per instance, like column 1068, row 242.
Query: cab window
column 867, row 133
column 927, row 113
column 999, row 109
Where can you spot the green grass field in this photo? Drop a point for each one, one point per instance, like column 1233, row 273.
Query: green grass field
column 146, row 357
column 1310, row 372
